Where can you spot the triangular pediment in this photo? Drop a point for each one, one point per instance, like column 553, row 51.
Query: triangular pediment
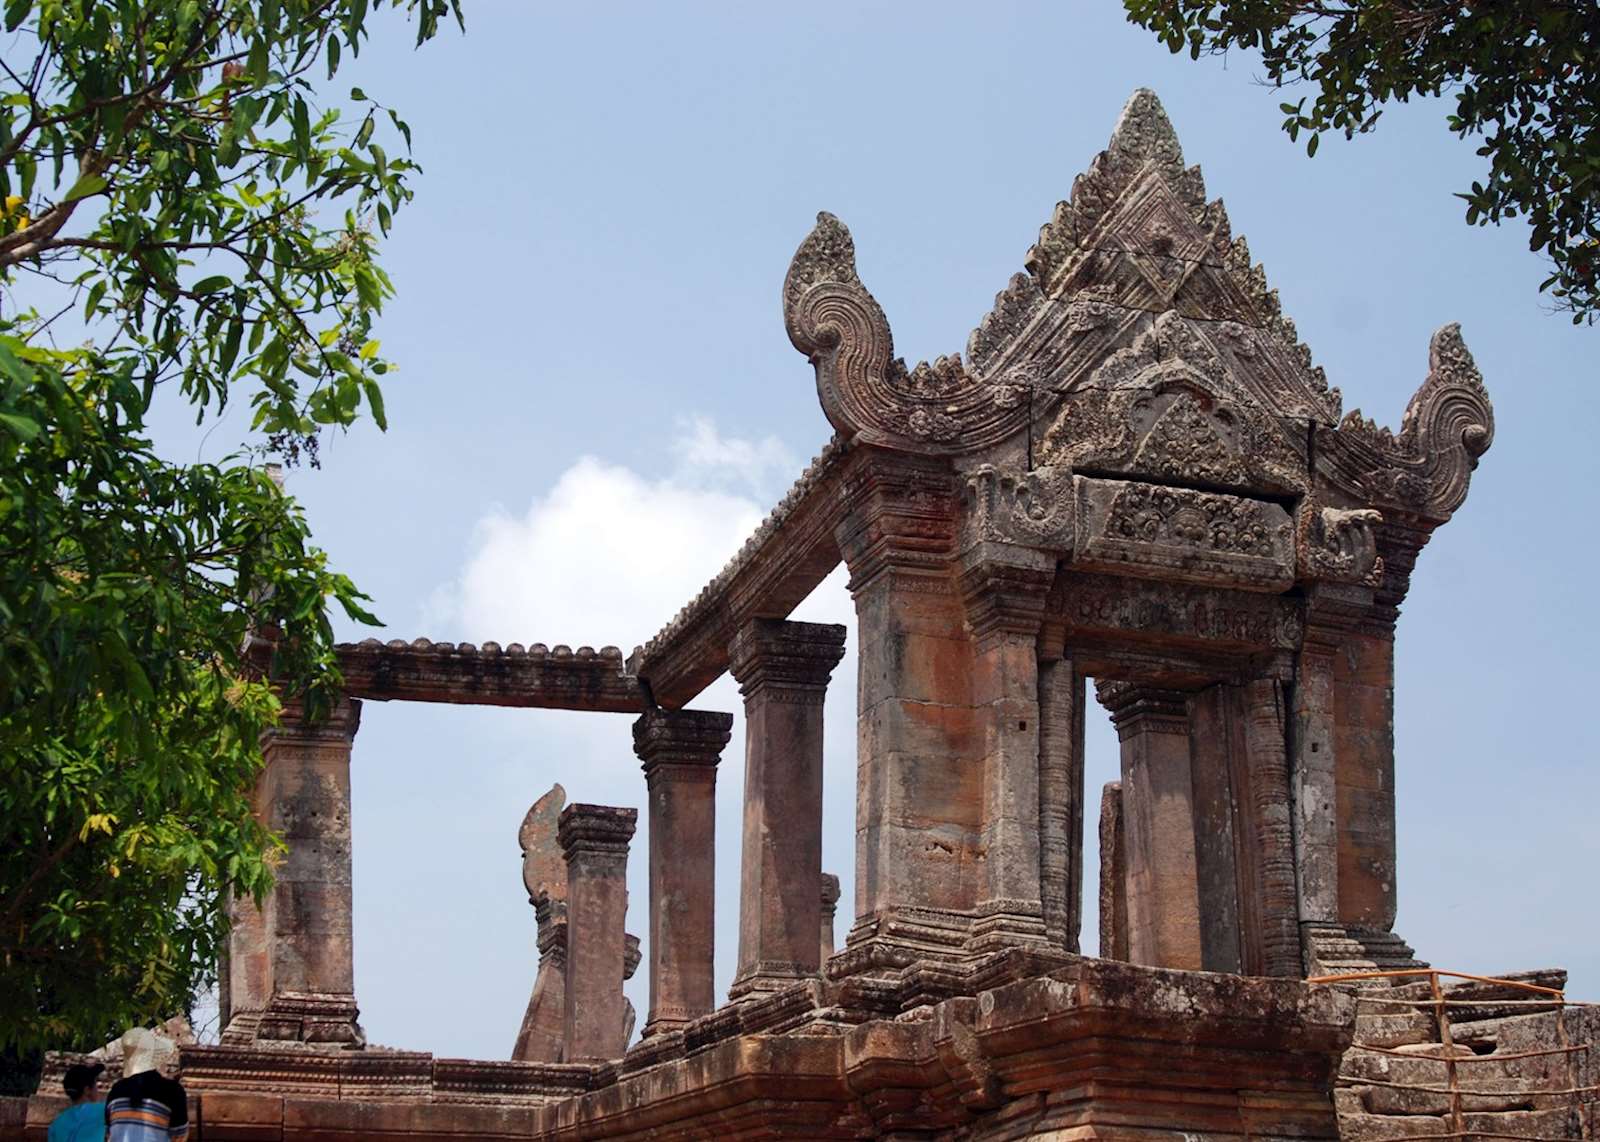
column 1140, row 341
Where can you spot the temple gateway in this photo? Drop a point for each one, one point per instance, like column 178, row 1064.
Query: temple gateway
column 1132, row 488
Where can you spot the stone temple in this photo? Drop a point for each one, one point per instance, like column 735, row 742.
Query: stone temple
column 1133, row 488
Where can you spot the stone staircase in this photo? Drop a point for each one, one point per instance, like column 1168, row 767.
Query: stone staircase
column 1337, row 950
column 1520, row 1065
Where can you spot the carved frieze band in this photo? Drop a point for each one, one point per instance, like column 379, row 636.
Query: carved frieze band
column 1099, row 603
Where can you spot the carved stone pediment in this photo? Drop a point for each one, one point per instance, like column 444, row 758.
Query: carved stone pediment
column 1141, row 342
column 1170, row 407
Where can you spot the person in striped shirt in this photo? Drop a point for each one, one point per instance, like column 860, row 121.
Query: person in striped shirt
column 145, row 1105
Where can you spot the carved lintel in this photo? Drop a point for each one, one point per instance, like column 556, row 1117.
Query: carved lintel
column 1153, row 531
column 1339, row 545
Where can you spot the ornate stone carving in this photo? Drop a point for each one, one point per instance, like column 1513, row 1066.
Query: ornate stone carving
column 1179, row 533
column 1424, row 468
column 1340, row 544
column 1033, row 509
column 867, row 393
column 1170, row 407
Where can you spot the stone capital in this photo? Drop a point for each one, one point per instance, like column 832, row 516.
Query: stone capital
column 899, row 516
column 1136, row 708
column 337, row 727
column 681, row 743
column 596, row 830
column 1004, row 589
column 777, row 655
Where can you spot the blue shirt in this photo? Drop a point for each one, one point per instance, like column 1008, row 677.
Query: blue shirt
column 85, row 1122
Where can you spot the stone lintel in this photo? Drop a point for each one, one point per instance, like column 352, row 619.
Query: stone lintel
column 792, row 551
column 558, row 678
column 783, row 655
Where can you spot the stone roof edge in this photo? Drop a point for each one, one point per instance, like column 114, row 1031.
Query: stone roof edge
column 697, row 608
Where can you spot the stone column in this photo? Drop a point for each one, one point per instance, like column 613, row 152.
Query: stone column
column 308, row 924
column 1061, row 726
column 680, row 750
column 1003, row 588
column 830, row 905
column 1158, row 825
column 783, row 670
column 594, row 842
column 1267, row 769
column 1113, row 875
column 919, row 777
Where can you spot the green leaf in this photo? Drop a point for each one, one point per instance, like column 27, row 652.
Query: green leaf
column 212, row 284
column 85, row 186
column 21, row 425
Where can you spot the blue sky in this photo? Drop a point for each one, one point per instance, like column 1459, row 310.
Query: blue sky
column 597, row 399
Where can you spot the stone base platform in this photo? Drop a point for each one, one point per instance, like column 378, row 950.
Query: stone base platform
column 1092, row 1049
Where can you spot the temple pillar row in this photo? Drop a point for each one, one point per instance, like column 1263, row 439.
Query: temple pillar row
column 679, row 750
column 782, row 669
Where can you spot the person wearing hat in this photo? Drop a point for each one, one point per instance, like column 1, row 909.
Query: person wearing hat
column 146, row 1105
column 85, row 1119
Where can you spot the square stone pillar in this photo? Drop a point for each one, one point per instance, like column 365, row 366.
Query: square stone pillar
column 1061, row 872
column 1003, row 588
column 306, row 927
column 919, row 775
column 783, row 670
column 1113, row 875
column 1158, row 825
column 680, row 750
column 594, row 842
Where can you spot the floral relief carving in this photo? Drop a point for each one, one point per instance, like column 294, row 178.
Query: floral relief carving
column 1227, row 524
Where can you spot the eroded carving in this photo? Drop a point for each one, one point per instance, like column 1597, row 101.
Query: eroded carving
column 1033, row 508
column 1340, row 544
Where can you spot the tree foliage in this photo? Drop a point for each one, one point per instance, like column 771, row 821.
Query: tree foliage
column 182, row 208
column 1524, row 74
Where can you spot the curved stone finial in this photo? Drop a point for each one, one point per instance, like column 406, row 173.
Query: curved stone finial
column 867, row 393
column 1426, row 466
column 543, row 870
